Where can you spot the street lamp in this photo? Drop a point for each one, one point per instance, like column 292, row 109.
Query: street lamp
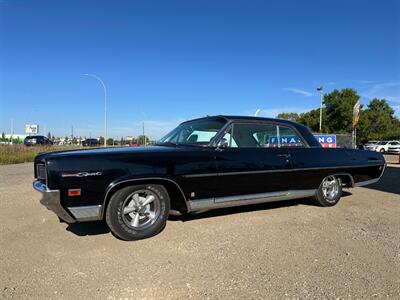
column 320, row 89
column 105, row 105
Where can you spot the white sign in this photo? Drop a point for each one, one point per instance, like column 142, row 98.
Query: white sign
column 32, row 129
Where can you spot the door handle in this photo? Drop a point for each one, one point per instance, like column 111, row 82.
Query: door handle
column 285, row 155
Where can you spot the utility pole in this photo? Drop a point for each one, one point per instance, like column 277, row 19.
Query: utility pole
column 320, row 89
column 144, row 137
column 12, row 130
column 72, row 132
column 105, row 105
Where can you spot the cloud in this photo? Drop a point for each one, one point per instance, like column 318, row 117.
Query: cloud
column 364, row 81
column 379, row 89
column 299, row 91
column 389, row 90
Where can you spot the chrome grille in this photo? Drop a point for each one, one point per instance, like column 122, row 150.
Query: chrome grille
column 41, row 171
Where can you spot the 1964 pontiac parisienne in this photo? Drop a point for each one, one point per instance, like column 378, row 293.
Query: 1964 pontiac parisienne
column 203, row 164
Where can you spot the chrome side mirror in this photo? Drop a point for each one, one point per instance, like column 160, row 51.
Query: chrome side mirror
column 223, row 143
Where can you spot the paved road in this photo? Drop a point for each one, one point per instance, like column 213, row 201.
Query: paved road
column 282, row 250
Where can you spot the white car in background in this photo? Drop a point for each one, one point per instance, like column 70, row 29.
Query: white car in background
column 394, row 148
column 383, row 146
column 370, row 145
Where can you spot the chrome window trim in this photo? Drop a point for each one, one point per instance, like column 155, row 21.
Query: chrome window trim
column 214, row 141
column 231, row 123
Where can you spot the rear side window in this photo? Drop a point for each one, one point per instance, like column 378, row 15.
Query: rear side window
column 263, row 136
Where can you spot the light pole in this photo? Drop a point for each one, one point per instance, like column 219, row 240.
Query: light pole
column 105, row 105
column 320, row 89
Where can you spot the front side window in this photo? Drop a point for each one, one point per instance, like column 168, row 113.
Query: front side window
column 198, row 132
column 262, row 136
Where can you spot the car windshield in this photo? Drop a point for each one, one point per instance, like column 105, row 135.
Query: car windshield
column 198, row 132
column 382, row 143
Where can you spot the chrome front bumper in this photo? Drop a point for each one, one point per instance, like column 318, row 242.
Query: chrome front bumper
column 51, row 199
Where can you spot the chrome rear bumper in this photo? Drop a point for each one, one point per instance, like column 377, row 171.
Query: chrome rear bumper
column 51, row 199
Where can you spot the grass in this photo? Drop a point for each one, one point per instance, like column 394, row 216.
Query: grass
column 15, row 154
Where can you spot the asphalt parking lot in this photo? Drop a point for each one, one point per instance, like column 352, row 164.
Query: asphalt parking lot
column 280, row 250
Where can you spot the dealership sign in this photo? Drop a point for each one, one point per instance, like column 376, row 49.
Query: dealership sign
column 32, row 129
column 327, row 141
column 284, row 140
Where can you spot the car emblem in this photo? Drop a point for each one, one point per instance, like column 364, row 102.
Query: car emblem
column 81, row 174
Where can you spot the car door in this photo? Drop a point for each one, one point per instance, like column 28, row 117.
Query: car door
column 256, row 160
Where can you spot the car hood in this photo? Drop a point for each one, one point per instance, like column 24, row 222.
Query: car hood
column 111, row 151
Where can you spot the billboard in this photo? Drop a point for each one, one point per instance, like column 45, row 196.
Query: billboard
column 326, row 140
column 31, row 128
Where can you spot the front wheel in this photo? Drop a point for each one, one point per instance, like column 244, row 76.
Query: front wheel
column 329, row 192
column 382, row 150
column 138, row 212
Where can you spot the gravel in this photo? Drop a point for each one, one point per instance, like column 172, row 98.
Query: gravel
column 279, row 250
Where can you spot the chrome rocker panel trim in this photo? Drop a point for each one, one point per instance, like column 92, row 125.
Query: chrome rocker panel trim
column 51, row 199
column 86, row 213
column 221, row 202
column 371, row 181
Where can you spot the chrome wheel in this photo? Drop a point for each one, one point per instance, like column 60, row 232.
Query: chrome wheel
column 330, row 188
column 141, row 209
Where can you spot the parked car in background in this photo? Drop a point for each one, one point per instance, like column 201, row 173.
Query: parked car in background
column 37, row 140
column 90, row 142
column 370, row 145
column 383, row 146
column 394, row 148
column 203, row 164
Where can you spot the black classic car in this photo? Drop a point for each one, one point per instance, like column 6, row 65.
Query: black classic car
column 203, row 164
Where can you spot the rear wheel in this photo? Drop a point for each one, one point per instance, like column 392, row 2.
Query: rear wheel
column 329, row 192
column 138, row 212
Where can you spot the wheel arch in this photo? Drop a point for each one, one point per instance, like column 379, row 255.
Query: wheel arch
column 176, row 195
column 346, row 179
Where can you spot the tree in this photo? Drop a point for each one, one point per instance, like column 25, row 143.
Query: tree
column 381, row 121
column 339, row 109
column 289, row 116
column 49, row 135
column 311, row 120
column 376, row 122
column 143, row 140
column 110, row 141
column 3, row 136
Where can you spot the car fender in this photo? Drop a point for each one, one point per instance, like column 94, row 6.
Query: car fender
column 131, row 180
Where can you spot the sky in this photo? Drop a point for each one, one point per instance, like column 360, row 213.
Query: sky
column 164, row 61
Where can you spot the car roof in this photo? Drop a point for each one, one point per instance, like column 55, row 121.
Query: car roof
column 244, row 118
column 304, row 131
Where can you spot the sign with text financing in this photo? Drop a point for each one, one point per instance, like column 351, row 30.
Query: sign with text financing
column 31, row 129
column 284, row 140
column 326, row 141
